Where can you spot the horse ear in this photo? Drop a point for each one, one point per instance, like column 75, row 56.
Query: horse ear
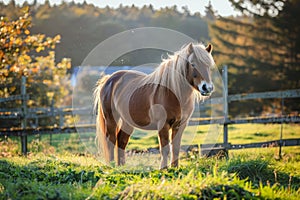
column 209, row 48
column 190, row 48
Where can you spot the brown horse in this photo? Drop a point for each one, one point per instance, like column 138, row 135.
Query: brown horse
column 163, row 100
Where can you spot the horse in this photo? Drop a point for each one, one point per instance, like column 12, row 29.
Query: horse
column 163, row 100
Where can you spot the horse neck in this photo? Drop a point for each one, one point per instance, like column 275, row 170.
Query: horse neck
column 173, row 79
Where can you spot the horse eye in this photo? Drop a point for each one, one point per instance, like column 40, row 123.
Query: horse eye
column 193, row 65
column 195, row 75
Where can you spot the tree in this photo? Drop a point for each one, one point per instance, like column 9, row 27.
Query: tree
column 283, row 15
column 259, row 48
column 259, row 7
column 210, row 13
column 31, row 55
column 287, row 22
column 250, row 50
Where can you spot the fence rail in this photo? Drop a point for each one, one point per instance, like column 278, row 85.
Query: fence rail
column 15, row 97
column 46, row 130
column 24, row 114
column 249, row 120
column 257, row 95
column 18, row 131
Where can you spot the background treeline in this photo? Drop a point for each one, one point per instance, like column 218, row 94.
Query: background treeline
column 260, row 46
column 82, row 26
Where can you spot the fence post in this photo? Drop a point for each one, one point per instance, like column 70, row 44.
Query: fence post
column 24, row 119
column 61, row 118
column 281, row 128
column 225, row 105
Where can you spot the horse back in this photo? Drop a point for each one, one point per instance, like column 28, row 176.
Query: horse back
column 112, row 86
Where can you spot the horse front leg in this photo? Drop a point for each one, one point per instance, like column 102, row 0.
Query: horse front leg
column 164, row 146
column 175, row 145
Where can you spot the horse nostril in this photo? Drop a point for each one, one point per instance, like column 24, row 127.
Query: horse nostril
column 204, row 88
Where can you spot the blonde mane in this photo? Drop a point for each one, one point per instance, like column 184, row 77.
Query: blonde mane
column 172, row 72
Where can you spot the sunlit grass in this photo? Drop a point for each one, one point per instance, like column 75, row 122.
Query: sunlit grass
column 66, row 170
column 250, row 174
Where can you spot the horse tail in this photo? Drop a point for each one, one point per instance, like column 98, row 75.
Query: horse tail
column 100, row 118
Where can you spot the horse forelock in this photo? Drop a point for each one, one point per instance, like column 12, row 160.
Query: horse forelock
column 203, row 56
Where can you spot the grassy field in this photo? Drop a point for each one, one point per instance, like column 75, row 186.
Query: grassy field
column 65, row 170
column 246, row 175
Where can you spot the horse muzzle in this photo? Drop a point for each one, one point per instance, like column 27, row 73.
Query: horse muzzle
column 205, row 88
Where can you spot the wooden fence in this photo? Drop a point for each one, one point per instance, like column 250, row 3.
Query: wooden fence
column 24, row 114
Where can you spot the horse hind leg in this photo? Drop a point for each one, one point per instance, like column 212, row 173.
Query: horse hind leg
column 122, row 141
column 109, row 140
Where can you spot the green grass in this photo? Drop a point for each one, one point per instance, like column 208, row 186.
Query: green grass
column 243, row 176
column 66, row 170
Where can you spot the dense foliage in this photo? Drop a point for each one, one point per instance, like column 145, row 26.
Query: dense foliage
column 31, row 55
column 23, row 53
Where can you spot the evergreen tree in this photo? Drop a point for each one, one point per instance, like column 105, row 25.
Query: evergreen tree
column 246, row 48
column 261, row 54
column 210, row 13
column 283, row 17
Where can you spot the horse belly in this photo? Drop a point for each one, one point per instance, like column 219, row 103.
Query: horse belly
column 151, row 107
column 139, row 107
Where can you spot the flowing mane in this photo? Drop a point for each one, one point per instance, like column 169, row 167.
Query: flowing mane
column 171, row 73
